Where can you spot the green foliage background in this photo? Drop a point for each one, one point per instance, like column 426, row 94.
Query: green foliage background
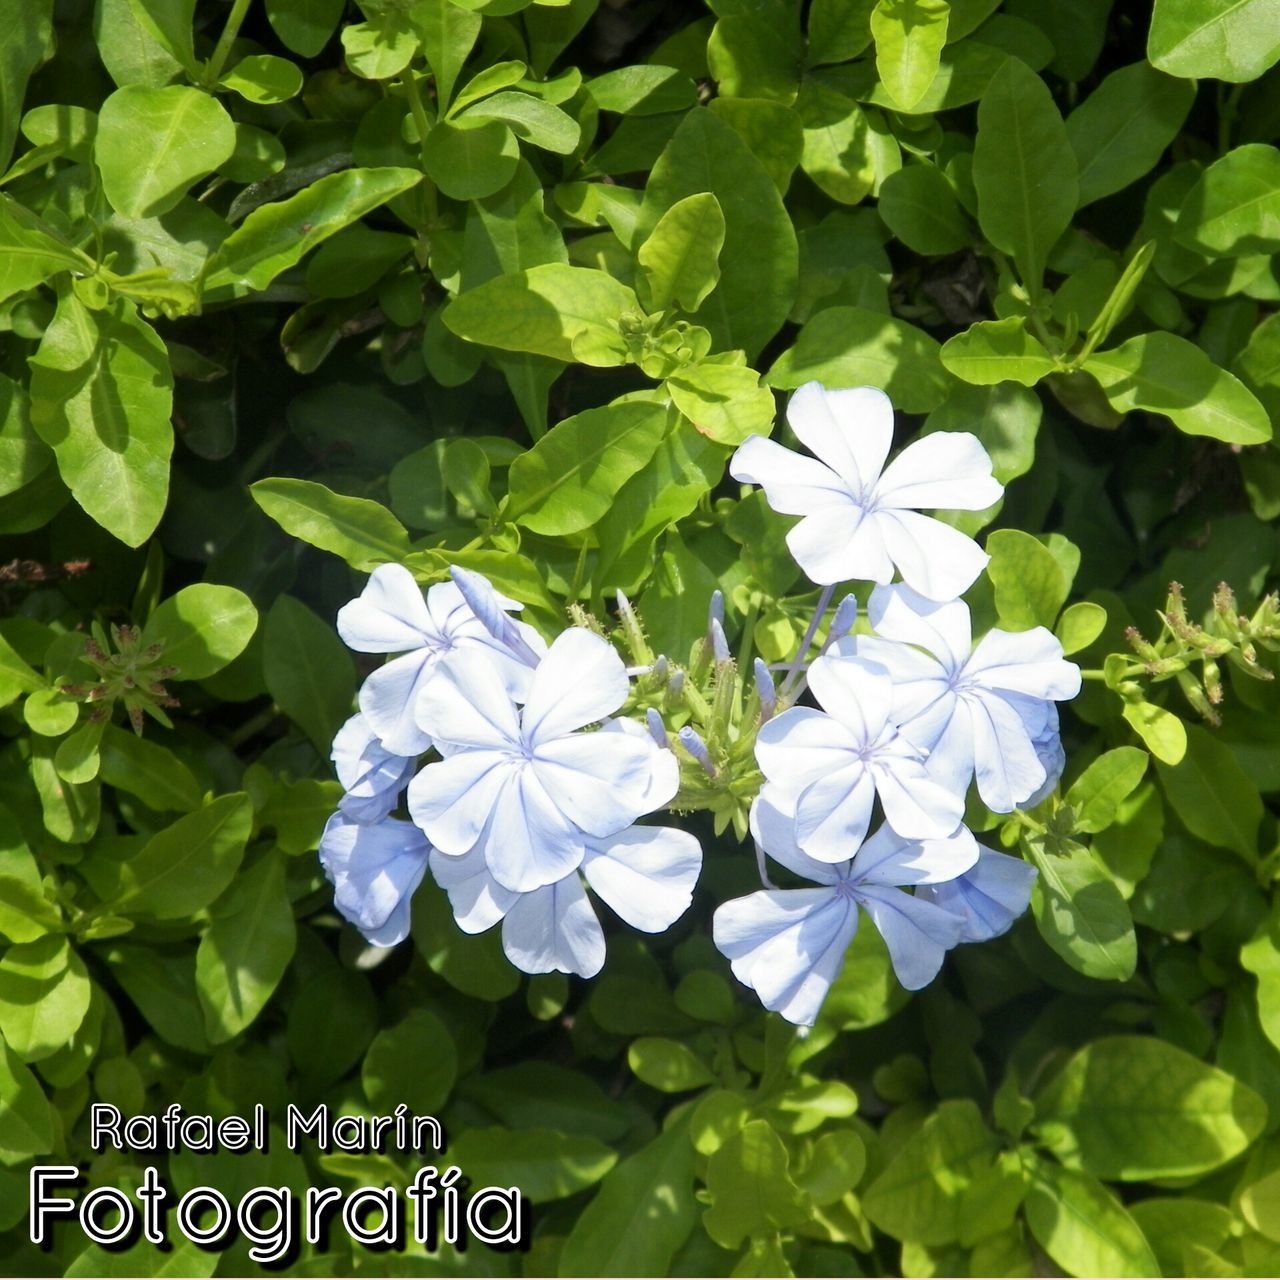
column 294, row 287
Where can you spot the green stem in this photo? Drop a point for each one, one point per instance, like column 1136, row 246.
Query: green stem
column 222, row 50
column 418, row 108
column 747, row 645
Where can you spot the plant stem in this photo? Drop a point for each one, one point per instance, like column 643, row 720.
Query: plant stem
column 824, row 600
column 222, row 50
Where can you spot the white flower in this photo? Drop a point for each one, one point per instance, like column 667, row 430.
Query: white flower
column 391, row 616
column 983, row 711
column 861, row 518
column 988, row 897
column 372, row 776
column 374, row 869
column 830, row 765
column 790, row 944
column 646, row 874
column 523, row 783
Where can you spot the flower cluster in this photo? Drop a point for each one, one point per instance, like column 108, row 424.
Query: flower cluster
column 523, row 802
column 523, row 780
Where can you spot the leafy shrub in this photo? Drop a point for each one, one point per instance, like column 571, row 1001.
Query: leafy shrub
column 296, row 288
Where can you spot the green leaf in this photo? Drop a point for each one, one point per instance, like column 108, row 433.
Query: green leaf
column 850, row 346
column 381, row 48
column 1165, row 374
column 15, row 676
column 909, row 36
column 837, row 147
column 472, row 162
column 183, row 1259
column 839, row 29
column 149, row 771
column 544, row 1164
column 305, row 26
column 448, row 34
column 276, row 235
column 529, row 118
column 28, row 30
column 1097, row 793
column 187, row 865
column 44, row 996
column 1080, row 912
column 920, row 207
column 1080, row 625
column 568, row 313
column 264, row 78
column 1261, row 957
column 162, row 983
column 23, row 455
column 308, row 670
column 920, row 1195
column 26, row 1122
column 1234, row 208
column 1030, row 585
column 668, row 1065
column 1023, row 169
column 1233, row 40
column 640, row 90
column 471, row 963
column 724, row 401
column 362, row 532
column 750, row 1187
column 101, row 398
column 568, row 480
column 1213, row 795
column 1120, row 131
column 355, row 260
column 993, row 351
column 203, row 627
column 1083, row 1227
column 152, row 144
column 680, row 261
column 759, row 261
column 31, row 253
column 245, row 950
column 1162, row 731
column 1135, row 1108
column 414, row 1063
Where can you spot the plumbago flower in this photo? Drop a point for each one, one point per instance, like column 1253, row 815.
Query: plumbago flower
column 789, row 944
column 862, row 519
column 830, row 765
column 523, row 783
column 391, row 616
column 983, row 711
column 372, row 777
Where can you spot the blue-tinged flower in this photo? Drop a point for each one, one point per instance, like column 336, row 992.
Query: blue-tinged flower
column 789, row 945
column 988, row 897
column 983, row 711
column 374, row 869
column 829, row 766
column 372, row 776
column 391, row 616
column 862, row 519
column 523, row 783
column 646, row 874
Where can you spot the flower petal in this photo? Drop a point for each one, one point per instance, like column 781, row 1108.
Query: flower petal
column 989, row 897
column 947, row 469
column 858, row 694
column 528, row 842
column 374, row 870
column 581, row 680
column 389, row 615
column 850, row 429
column 477, row 899
column 891, row 860
column 917, row 932
column 838, row 542
column 833, row 813
column 773, row 824
column 788, row 944
column 919, row 679
column 599, row 781
column 802, row 745
column 1005, row 762
column 388, row 697
column 793, row 484
column 943, row 629
column 466, row 705
column 554, row 929
column 372, row 776
column 451, row 799
column 936, row 560
column 663, row 767
column 1027, row 662
column 646, row 874
column 915, row 805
